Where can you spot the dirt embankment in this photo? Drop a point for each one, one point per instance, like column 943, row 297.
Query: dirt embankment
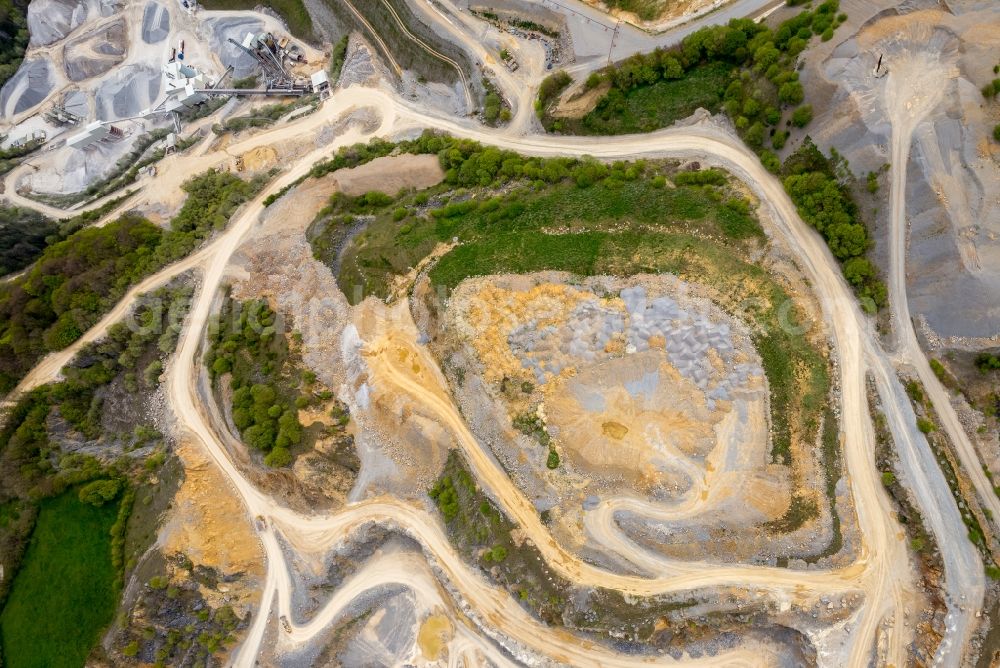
column 207, row 523
column 390, row 174
column 277, row 264
column 578, row 101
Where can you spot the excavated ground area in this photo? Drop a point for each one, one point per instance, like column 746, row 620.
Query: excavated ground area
column 952, row 190
column 654, row 399
column 277, row 264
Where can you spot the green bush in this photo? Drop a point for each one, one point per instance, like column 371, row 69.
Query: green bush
column 802, row 116
column 996, row 132
column 703, row 177
column 497, row 554
column 986, row 362
column 278, row 458
column 888, row 478
column 99, row 492
column 924, row 425
column 553, row 459
column 337, row 57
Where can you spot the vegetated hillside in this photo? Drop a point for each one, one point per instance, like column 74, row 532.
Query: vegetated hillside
column 102, row 404
column 78, row 279
column 746, row 70
column 252, row 346
column 13, row 36
column 23, row 234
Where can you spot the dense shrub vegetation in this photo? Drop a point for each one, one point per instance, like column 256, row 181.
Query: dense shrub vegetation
column 76, row 280
column 743, row 68
column 14, row 34
column 987, row 362
column 35, row 473
column 826, row 204
column 250, row 344
column 23, row 234
column 550, row 90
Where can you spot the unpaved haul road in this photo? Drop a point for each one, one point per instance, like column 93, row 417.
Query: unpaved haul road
column 886, row 574
column 913, row 88
column 882, row 569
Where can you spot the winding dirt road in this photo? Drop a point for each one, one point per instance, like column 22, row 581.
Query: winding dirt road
column 882, row 570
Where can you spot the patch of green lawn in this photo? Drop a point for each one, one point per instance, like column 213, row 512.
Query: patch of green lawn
column 65, row 592
column 648, row 108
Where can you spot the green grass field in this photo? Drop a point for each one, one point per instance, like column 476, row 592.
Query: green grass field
column 648, row 108
column 65, row 592
column 293, row 11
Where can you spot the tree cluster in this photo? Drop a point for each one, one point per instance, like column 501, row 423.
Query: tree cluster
column 76, row 280
column 827, row 205
column 252, row 347
column 13, row 37
column 23, row 237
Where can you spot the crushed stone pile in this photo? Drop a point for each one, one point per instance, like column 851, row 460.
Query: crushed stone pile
column 701, row 350
column 155, row 23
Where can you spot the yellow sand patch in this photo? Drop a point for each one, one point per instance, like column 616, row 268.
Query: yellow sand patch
column 615, row 430
column 434, row 635
column 259, row 158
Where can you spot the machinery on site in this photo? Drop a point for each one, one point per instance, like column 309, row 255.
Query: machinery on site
column 270, row 54
column 879, row 70
column 186, row 86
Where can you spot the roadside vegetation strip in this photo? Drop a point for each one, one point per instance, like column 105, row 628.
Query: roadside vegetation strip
column 826, row 204
column 79, row 278
column 266, row 115
column 67, row 590
column 974, row 515
column 14, row 156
